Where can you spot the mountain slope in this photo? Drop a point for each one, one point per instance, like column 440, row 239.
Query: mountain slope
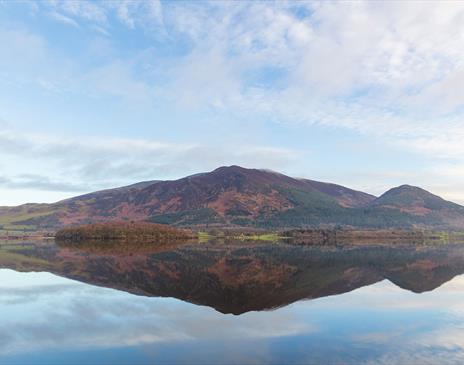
column 345, row 197
column 236, row 196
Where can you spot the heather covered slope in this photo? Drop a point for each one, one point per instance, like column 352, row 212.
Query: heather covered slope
column 226, row 196
column 236, row 196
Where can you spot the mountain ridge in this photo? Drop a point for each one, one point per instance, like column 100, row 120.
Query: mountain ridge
column 237, row 196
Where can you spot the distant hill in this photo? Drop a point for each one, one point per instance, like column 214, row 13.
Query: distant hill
column 414, row 200
column 236, row 196
column 419, row 207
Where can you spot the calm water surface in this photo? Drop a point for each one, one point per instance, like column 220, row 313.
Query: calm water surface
column 231, row 304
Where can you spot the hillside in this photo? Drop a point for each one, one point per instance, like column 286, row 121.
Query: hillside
column 236, row 196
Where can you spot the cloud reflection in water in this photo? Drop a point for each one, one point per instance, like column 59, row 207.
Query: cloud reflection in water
column 45, row 318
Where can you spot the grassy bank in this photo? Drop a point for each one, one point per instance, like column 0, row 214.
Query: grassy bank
column 365, row 237
column 8, row 234
column 239, row 235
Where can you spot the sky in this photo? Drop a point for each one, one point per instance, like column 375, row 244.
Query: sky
column 96, row 95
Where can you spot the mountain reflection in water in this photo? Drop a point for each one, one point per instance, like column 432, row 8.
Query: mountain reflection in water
column 238, row 278
column 58, row 304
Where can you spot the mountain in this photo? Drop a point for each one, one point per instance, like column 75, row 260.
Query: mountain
column 237, row 196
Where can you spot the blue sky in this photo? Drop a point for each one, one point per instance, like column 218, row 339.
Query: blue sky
column 101, row 94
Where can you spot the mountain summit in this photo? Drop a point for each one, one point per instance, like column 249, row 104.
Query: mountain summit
column 237, row 196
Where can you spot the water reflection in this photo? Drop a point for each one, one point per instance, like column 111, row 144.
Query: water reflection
column 47, row 318
column 240, row 278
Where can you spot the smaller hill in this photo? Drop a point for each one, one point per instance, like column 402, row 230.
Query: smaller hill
column 414, row 200
column 418, row 208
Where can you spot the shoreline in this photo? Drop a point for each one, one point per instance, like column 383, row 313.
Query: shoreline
column 309, row 237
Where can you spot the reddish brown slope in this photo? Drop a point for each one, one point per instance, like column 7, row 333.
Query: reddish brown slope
column 221, row 195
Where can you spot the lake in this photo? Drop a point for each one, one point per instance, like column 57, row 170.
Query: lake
column 237, row 303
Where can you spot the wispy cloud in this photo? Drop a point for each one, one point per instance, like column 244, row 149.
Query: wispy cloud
column 106, row 162
column 41, row 183
column 63, row 19
column 390, row 69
